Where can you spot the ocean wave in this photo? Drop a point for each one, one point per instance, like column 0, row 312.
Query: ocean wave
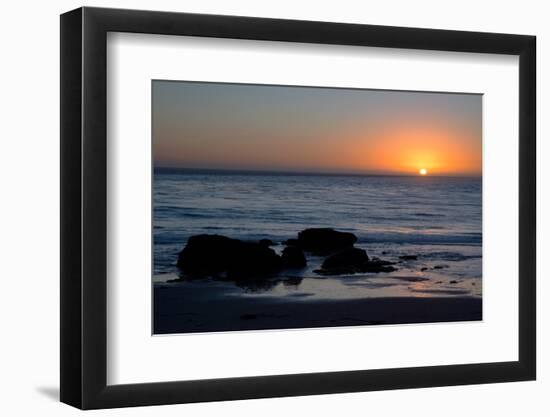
column 423, row 238
column 428, row 215
column 451, row 256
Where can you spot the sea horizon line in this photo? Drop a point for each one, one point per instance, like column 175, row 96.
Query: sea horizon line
column 275, row 172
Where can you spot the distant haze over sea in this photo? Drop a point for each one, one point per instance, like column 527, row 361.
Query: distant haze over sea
column 159, row 167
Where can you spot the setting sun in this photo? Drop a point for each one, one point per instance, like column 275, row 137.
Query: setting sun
column 423, row 171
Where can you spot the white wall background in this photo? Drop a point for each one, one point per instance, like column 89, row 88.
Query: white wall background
column 29, row 236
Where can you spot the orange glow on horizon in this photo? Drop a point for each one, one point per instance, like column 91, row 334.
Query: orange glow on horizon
column 308, row 129
column 411, row 149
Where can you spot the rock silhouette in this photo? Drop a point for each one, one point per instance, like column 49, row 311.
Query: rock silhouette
column 324, row 241
column 378, row 265
column 351, row 261
column 347, row 258
column 237, row 260
column 293, row 257
column 214, row 254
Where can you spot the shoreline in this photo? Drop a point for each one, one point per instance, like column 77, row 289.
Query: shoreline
column 184, row 309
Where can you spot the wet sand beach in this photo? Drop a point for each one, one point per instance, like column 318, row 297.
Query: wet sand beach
column 190, row 307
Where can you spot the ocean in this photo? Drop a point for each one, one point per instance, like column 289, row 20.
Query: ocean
column 439, row 219
column 436, row 220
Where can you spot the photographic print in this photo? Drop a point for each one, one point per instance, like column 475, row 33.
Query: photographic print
column 288, row 207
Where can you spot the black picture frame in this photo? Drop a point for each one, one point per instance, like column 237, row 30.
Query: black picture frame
column 84, row 207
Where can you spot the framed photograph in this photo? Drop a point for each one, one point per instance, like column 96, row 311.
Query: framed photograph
column 257, row 208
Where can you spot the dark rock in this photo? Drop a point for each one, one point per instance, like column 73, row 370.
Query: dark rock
column 453, row 282
column 409, row 257
column 293, row 257
column 214, row 254
column 251, row 258
column 266, row 242
column 336, row 271
column 353, row 258
column 378, row 265
column 324, row 241
column 441, row 266
column 423, row 269
column 351, row 261
column 206, row 254
column 292, row 242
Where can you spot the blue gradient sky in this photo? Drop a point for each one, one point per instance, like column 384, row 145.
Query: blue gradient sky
column 240, row 126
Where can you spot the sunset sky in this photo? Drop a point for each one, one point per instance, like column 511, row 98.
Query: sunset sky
column 257, row 127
